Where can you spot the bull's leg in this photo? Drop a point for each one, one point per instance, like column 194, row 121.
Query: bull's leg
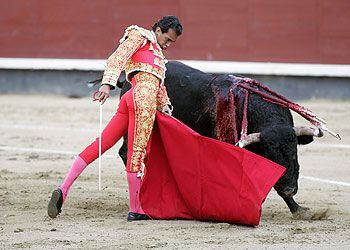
column 291, row 203
column 297, row 211
column 304, row 213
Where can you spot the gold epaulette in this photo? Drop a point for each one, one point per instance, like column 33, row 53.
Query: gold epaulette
column 148, row 34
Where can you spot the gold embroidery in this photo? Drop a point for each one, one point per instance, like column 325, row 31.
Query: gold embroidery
column 144, row 67
column 157, row 51
column 159, row 62
column 151, row 47
column 149, row 35
column 145, row 102
column 116, row 62
column 162, row 97
column 134, row 37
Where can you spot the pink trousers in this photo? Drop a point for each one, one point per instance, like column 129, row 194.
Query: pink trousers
column 135, row 115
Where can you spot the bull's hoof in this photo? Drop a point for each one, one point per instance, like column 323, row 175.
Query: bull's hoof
column 306, row 214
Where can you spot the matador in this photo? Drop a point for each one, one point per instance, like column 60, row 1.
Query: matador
column 140, row 54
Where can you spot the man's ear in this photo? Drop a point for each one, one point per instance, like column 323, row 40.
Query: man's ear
column 158, row 30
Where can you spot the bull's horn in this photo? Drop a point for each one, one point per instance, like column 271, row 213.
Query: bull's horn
column 248, row 139
column 303, row 130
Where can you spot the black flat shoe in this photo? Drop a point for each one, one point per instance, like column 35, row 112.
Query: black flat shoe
column 135, row 216
column 55, row 204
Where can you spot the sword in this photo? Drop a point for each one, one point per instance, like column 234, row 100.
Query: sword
column 99, row 141
column 100, row 149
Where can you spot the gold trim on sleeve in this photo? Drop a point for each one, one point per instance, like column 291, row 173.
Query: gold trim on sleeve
column 117, row 61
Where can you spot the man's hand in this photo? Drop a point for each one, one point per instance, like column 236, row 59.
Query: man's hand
column 103, row 93
column 167, row 109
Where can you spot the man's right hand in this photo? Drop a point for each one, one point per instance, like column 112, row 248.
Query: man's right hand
column 103, row 93
column 167, row 109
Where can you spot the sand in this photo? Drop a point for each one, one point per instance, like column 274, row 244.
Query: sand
column 41, row 133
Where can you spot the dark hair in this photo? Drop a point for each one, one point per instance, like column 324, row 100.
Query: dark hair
column 168, row 22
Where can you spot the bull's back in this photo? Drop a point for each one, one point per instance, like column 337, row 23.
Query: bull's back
column 195, row 94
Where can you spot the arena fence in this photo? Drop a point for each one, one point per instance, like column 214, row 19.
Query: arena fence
column 68, row 76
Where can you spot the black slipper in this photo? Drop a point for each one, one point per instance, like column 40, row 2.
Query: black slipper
column 136, row 216
column 55, row 204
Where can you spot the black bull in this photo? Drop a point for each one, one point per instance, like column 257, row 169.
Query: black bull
column 194, row 96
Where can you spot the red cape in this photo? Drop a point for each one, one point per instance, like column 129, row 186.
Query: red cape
column 190, row 176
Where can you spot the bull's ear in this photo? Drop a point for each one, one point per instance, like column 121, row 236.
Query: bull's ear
column 305, row 139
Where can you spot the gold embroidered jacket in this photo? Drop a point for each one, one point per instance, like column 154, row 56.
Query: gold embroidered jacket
column 138, row 51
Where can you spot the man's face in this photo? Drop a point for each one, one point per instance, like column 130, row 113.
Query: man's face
column 165, row 39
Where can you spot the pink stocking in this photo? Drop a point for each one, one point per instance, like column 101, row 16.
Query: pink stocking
column 134, row 190
column 78, row 166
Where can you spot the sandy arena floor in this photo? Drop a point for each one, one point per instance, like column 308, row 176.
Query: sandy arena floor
column 40, row 135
